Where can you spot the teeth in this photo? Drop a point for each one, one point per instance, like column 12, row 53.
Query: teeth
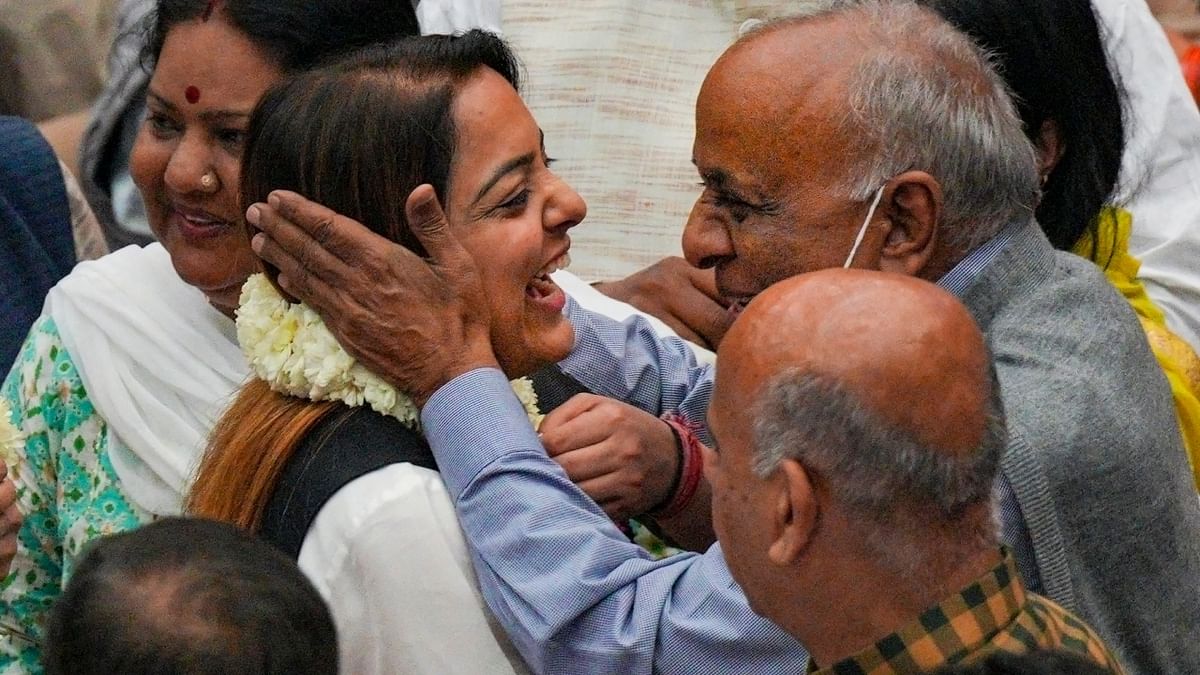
column 562, row 262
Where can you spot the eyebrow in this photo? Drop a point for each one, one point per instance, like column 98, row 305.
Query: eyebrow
column 510, row 166
column 207, row 115
column 505, row 169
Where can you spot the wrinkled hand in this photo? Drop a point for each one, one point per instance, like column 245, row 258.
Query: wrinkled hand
column 684, row 297
column 623, row 458
column 10, row 520
column 416, row 323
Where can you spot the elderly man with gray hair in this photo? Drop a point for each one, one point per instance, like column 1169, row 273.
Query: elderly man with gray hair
column 873, row 136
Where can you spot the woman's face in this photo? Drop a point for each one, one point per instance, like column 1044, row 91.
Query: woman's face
column 512, row 215
column 187, row 156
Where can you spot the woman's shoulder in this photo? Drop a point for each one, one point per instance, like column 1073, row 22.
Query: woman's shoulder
column 43, row 364
column 346, row 445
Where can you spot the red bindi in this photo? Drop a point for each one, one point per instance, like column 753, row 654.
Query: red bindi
column 192, row 94
column 208, row 10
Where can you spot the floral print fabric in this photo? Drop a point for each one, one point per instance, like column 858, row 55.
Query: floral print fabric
column 67, row 490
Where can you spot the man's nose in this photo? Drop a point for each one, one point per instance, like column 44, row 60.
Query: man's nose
column 705, row 239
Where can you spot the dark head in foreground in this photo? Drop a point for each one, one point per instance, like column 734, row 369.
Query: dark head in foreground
column 189, row 596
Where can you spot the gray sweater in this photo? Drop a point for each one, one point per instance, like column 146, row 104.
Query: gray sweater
column 1095, row 456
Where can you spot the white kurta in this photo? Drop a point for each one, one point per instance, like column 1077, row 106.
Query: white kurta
column 387, row 555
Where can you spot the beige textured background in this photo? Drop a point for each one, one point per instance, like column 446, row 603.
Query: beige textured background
column 613, row 84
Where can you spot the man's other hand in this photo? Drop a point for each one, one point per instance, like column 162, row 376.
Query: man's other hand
column 684, row 297
column 623, row 458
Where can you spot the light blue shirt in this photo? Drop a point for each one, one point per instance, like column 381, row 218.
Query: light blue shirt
column 574, row 594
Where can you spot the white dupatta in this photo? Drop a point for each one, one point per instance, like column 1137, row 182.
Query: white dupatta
column 159, row 364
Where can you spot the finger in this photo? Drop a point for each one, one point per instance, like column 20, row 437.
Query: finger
column 3, row 471
column 681, row 328
column 553, row 440
column 588, row 463
column 705, row 317
column 705, row 281
column 11, row 520
column 427, row 220
column 282, row 241
column 344, row 238
column 294, row 276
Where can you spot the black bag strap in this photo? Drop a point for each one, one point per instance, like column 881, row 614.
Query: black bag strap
column 344, row 446
column 554, row 387
column 353, row 442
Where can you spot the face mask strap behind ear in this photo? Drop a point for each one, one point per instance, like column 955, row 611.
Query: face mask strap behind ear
column 862, row 231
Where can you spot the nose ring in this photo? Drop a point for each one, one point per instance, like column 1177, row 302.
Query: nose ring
column 209, row 180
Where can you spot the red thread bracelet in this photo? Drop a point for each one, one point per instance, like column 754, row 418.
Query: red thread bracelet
column 692, row 465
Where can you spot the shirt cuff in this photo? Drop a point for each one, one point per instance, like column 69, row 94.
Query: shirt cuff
column 472, row 421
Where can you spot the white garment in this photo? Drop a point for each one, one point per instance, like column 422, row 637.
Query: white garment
column 159, row 363
column 387, row 555
column 593, row 300
column 447, row 17
column 1160, row 173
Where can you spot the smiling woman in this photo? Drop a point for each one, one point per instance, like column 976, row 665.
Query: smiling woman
column 187, row 155
column 351, row 492
column 121, row 378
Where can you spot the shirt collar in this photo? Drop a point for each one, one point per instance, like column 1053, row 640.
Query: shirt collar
column 962, row 623
column 959, row 278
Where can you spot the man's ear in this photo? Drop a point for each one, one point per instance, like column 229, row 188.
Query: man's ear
column 912, row 207
column 795, row 513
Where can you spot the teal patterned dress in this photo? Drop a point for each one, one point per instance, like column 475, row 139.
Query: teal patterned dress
column 67, row 490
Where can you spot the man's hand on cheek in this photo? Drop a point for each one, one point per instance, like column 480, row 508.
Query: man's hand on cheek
column 416, row 323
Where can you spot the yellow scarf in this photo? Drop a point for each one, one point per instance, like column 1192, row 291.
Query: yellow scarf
column 1176, row 357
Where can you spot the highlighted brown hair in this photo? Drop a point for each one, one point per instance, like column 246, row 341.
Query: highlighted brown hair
column 357, row 136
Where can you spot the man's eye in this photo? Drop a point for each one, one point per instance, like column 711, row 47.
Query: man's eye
column 737, row 208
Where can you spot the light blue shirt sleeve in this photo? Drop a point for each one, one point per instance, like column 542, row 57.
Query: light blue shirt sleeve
column 628, row 361
column 574, row 594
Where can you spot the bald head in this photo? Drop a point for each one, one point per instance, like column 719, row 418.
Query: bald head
column 907, row 349
column 879, row 384
column 848, row 98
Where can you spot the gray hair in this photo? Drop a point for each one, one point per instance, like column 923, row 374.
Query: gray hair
column 924, row 96
column 878, row 470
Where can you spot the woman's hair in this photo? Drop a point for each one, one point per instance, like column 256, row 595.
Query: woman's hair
column 1052, row 57
column 294, row 34
column 357, row 136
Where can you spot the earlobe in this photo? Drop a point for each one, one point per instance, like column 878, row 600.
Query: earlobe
column 912, row 204
column 796, row 512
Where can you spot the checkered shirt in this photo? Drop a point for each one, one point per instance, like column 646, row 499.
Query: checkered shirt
column 995, row 613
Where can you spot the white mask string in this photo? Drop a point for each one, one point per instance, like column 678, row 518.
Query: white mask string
column 862, row 231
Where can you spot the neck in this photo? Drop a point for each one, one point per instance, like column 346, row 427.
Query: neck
column 868, row 602
column 941, row 263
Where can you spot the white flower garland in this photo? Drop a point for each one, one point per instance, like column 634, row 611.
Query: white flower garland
column 290, row 348
column 11, row 438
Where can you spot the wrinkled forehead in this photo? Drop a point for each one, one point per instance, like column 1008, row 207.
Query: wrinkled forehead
column 771, row 105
